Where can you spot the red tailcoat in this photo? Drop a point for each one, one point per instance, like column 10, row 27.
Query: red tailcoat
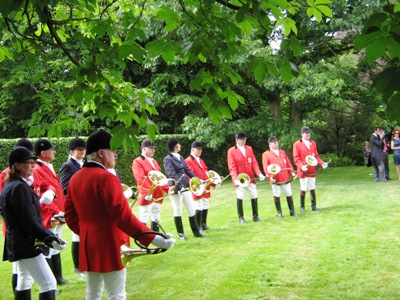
column 201, row 173
column 3, row 175
column 300, row 151
column 140, row 169
column 238, row 163
column 269, row 157
column 44, row 179
column 97, row 211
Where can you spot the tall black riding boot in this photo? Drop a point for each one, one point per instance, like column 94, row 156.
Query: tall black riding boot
column 23, row 295
column 57, row 269
column 179, row 228
column 195, row 227
column 49, row 295
column 199, row 218
column 14, row 281
column 314, row 201
column 75, row 254
column 277, row 202
column 254, row 207
column 239, row 203
column 204, row 219
column 291, row 206
column 154, row 226
column 302, row 202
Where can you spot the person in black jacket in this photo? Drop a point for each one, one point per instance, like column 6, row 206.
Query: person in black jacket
column 20, row 209
column 77, row 152
column 176, row 168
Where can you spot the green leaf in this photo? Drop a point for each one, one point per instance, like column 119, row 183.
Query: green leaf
column 376, row 49
column 393, row 47
column 8, row 6
column 319, row 2
column 260, row 71
column 155, row 47
column 325, row 10
column 168, row 53
column 286, row 71
column 171, row 18
column 393, row 107
column 364, row 39
column 225, row 110
column 242, row 12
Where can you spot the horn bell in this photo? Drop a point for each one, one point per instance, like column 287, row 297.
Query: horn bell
column 244, row 179
column 196, row 186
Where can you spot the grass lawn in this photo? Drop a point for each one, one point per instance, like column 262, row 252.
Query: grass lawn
column 349, row 251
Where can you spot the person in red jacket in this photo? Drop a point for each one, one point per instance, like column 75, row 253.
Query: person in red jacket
column 241, row 159
column 200, row 169
column 97, row 211
column 306, row 171
column 281, row 180
column 149, row 201
column 52, row 202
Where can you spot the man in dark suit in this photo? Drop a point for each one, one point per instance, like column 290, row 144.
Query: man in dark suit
column 377, row 155
column 77, row 152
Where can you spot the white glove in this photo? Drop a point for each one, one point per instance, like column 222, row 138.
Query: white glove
column 294, row 175
column 272, row 179
column 324, row 165
column 59, row 245
column 148, row 197
column 261, row 177
column 304, row 168
column 237, row 182
column 171, row 190
column 161, row 242
column 47, row 197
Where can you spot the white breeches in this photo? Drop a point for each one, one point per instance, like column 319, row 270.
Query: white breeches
column 185, row 198
column 114, row 281
column 251, row 189
column 35, row 269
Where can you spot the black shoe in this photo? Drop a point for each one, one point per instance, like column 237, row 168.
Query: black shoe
column 241, row 220
column 316, row 209
column 182, row 237
column 205, row 227
column 199, row 233
column 293, row 214
column 280, row 216
column 256, row 218
column 302, row 210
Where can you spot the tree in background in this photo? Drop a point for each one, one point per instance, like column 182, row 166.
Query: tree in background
column 100, row 38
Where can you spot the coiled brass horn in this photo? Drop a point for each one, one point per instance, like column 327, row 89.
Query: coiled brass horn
column 197, row 186
column 311, row 160
column 159, row 179
column 214, row 177
column 244, row 179
column 130, row 191
column 273, row 169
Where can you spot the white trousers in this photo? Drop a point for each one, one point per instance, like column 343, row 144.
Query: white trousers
column 251, row 189
column 114, row 281
column 201, row 204
column 185, row 198
column 286, row 188
column 308, row 182
column 151, row 210
column 35, row 269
